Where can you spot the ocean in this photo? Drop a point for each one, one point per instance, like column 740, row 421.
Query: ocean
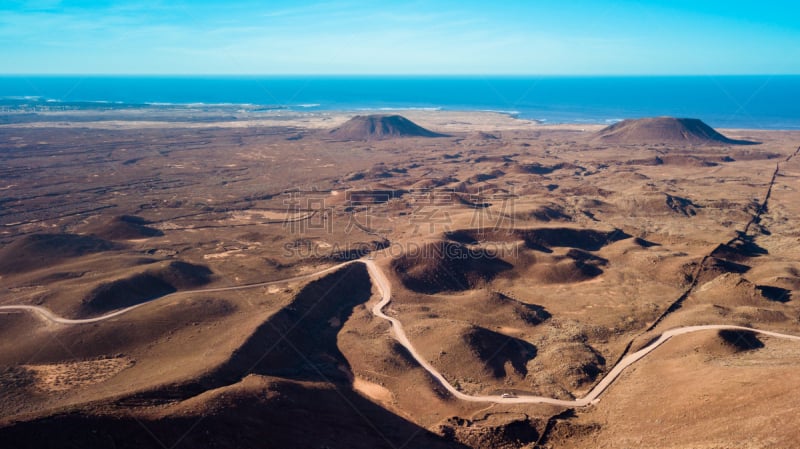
column 758, row 102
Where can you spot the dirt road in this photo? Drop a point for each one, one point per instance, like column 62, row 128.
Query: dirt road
column 385, row 289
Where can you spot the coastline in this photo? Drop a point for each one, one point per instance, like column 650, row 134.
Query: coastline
column 730, row 102
column 447, row 121
column 233, row 116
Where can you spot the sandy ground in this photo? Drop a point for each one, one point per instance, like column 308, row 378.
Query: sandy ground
column 68, row 376
column 446, row 120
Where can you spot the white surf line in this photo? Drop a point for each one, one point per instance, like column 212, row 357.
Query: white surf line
column 50, row 316
column 385, row 288
column 592, row 397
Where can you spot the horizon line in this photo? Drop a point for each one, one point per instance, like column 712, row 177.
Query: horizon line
column 407, row 75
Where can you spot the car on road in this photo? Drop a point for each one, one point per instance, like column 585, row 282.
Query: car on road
column 508, row 395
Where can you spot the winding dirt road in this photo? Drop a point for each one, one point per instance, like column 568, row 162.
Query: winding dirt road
column 384, row 286
column 50, row 316
column 400, row 335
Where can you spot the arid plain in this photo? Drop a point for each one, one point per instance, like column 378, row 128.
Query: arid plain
column 188, row 281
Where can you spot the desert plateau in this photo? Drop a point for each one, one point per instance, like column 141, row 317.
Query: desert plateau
column 207, row 278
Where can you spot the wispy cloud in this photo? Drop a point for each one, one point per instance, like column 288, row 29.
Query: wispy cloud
column 347, row 36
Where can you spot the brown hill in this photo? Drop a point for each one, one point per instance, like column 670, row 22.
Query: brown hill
column 474, row 357
column 499, row 353
column 447, row 266
column 43, row 250
column 259, row 411
column 548, row 212
column 143, row 287
column 664, row 130
column 380, row 127
column 724, row 343
column 299, row 342
column 122, row 293
column 499, row 304
column 542, row 239
column 563, row 271
column 125, row 227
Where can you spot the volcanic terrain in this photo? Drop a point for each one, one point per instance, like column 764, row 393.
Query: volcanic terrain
column 664, row 130
column 380, row 127
column 340, row 281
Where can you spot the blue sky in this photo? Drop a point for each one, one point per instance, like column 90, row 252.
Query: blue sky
column 576, row 37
